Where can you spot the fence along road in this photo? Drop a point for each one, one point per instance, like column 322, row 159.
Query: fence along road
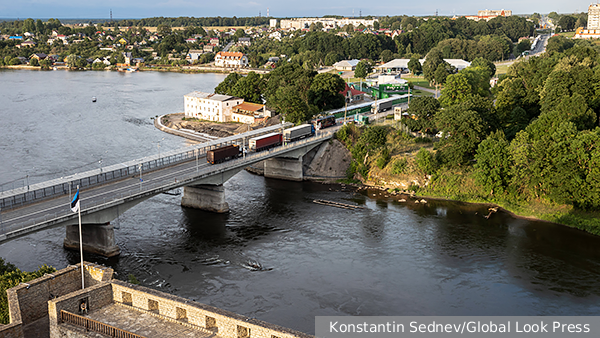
column 158, row 176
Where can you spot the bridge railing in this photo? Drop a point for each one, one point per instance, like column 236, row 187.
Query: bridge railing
column 154, row 187
column 67, row 185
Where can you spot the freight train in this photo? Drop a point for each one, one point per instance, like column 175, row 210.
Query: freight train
column 261, row 143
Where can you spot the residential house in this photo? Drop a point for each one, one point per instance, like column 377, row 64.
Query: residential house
column 27, row 44
column 105, row 61
column 214, row 41
column 208, row 49
column 351, row 94
column 38, row 56
column 194, row 54
column 244, row 41
column 211, row 107
column 191, row 40
column 275, row 35
column 346, row 65
column 128, row 57
column 247, row 112
column 231, row 59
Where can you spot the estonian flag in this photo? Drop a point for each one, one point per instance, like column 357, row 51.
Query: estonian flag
column 75, row 202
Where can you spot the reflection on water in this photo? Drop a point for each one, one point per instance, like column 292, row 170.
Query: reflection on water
column 395, row 258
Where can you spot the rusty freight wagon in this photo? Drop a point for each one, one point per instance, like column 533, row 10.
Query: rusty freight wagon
column 265, row 141
column 222, row 154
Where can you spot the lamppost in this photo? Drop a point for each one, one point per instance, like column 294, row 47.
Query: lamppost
column 100, row 162
column 197, row 151
column 140, row 166
column 27, row 177
column 158, row 145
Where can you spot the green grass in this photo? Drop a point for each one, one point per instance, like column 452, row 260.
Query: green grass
column 501, row 69
column 419, row 81
column 567, row 34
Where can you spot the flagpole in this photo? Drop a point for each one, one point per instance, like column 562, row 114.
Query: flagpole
column 80, row 245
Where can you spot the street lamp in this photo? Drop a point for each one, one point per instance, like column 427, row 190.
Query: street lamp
column 140, row 166
column 158, row 145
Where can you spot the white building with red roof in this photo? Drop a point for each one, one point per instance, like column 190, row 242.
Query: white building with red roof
column 231, row 60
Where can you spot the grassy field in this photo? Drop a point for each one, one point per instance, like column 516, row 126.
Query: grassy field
column 419, row 81
column 501, row 69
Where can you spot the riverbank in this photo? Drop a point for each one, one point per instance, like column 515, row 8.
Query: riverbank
column 460, row 187
column 174, row 69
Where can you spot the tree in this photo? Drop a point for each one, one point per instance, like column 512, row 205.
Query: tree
column 291, row 105
column 414, row 65
column 424, row 108
column 10, row 277
column 425, row 161
column 522, row 46
column 441, row 73
column 463, row 130
column 325, row 91
column 363, row 68
column 249, row 88
column 163, row 30
column 485, row 64
column 226, row 86
column 72, row 61
column 492, row 167
column 34, row 62
column 387, row 56
column 567, row 22
column 433, row 60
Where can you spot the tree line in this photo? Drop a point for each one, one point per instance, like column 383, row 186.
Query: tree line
column 535, row 137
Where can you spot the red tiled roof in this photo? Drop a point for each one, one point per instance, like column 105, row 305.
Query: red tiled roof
column 353, row 91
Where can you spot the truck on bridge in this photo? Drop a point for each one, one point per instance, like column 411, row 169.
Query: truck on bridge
column 223, row 154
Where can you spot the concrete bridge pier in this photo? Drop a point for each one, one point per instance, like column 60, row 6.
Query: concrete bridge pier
column 284, row 168
column 205, row 197
column 97, row 238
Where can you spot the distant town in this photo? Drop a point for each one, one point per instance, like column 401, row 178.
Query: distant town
column 243, row 42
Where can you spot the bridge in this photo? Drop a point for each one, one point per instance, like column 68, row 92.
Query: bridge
column 108, row 192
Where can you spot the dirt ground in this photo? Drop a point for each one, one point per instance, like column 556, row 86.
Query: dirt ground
column 217, row 129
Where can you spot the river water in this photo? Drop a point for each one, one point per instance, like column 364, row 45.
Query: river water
column 439, row 258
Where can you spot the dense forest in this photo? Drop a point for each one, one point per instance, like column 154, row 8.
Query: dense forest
column 532, row 140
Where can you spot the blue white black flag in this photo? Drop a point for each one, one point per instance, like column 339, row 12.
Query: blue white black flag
column 75, row 202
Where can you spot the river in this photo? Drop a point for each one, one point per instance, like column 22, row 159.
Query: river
column 439, row 258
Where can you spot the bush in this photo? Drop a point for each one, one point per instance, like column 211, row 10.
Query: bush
column 383, row 159
column 399, row 166
column 426, row 161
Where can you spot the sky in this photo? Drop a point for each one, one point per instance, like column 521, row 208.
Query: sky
column 68, row 9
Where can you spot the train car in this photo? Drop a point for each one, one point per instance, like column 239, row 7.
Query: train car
column 298, row 132
column 265, row 141
column 222, row 154
column 324, row 122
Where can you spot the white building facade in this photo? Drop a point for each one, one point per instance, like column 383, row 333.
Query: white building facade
column 231, row 59
column 593, row 21
column 210, row 107
column 328, row 23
